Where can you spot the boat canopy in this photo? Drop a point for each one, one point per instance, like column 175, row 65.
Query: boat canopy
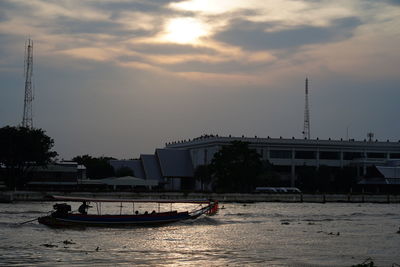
column 88, row 199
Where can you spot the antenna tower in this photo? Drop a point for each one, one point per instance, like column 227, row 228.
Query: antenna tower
column 306, row 130
column 370, row 136
column 27, row 119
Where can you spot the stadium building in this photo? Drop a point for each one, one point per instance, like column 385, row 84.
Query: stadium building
column 175, row 164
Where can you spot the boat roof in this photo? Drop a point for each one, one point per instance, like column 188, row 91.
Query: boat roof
column 88, row 199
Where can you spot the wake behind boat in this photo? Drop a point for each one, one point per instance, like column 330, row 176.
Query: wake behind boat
column 62, row 216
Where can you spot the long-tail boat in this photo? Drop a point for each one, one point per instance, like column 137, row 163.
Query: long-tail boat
column 62, row 216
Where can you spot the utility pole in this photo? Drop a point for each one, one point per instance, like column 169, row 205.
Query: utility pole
column 27, row 119
column 306, row 129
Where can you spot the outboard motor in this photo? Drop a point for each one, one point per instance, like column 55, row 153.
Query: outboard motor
column 61, row 210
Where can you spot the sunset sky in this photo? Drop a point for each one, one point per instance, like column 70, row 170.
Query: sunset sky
column 123, row 77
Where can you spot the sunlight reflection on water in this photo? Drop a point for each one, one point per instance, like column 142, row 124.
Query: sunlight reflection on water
column 263, row 234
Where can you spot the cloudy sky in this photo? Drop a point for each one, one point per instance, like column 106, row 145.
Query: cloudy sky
column 122, row 77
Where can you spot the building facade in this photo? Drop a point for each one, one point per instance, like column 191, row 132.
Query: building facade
column 292, row 153
column 64, row 174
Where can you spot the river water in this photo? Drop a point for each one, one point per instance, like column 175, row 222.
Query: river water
column 259, row 234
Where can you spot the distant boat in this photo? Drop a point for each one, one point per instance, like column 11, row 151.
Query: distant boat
column 63, row 217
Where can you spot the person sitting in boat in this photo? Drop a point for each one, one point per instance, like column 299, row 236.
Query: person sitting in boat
column 83, row 208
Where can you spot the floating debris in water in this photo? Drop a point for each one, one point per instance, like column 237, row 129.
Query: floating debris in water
column 367, row 263
column 49, row 245
column 97, row 249
column 398, row 231
column 330, row 233
column 285, row 223
column 67, row 242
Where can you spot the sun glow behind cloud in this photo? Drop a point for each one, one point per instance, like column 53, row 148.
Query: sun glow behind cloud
column 184, row 30
column 199, row 35
column 285, row 13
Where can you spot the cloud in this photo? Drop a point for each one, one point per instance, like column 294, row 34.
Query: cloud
column 102, row 69
column 226, row 67
column 253, row 36
column 11, row 55
column 283, row 13
column 147, row 6
column 394, row 2
column 3, row 15
column 66, row 25
column 170, row 49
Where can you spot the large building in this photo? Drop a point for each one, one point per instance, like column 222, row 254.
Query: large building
column 173, row 166
column 293, row 153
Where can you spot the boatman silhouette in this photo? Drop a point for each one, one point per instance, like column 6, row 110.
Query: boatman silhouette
column 83, row 208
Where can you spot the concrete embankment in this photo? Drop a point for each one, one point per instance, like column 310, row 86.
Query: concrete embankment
column 10, row 196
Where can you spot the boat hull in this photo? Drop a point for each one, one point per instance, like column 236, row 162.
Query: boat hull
column 114, row 220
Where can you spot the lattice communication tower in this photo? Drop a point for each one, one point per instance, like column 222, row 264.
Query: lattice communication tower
column 306, row 129
column 27, row 119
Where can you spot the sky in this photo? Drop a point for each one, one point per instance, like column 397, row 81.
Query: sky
column 121, row 78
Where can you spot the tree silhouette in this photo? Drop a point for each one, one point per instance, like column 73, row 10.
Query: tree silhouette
column 235, row 168
column 202, row 174
column 124, row 171
column 96, row 168
column 21, row 149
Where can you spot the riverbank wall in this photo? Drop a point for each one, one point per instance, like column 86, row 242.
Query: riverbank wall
column 12, row 196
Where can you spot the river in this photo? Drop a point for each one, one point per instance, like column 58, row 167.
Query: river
column 259, row 234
